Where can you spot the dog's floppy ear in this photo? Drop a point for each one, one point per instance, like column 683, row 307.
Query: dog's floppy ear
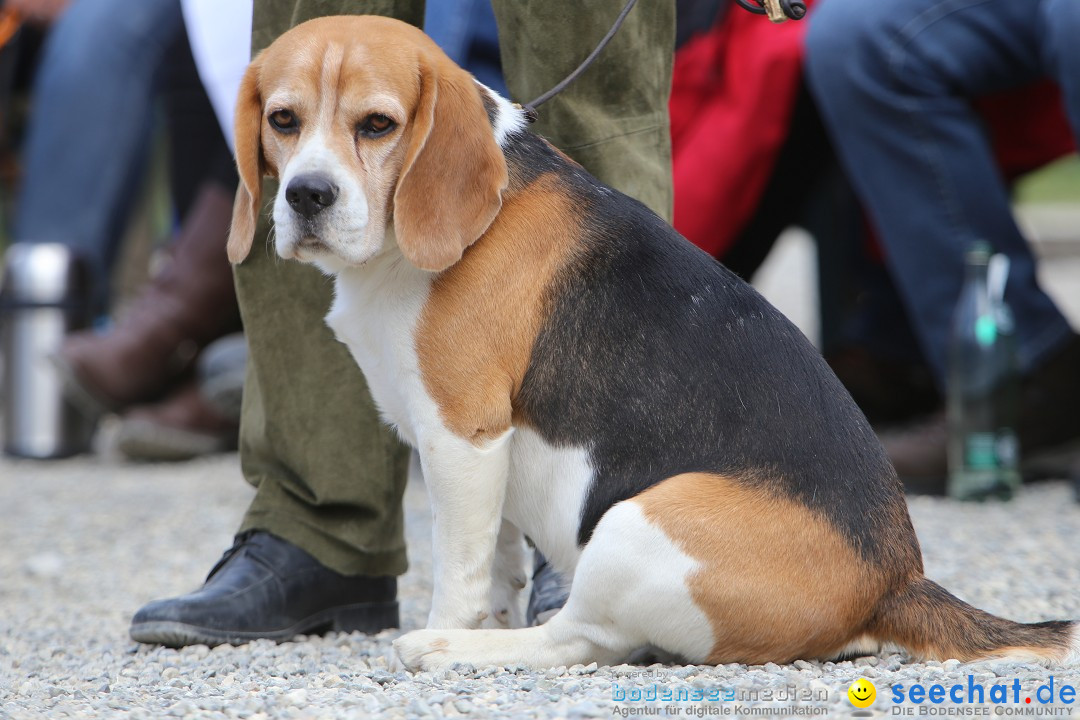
column 249, row 162
column 451, row 183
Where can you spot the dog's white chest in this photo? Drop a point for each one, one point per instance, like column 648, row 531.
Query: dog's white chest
column 375, row 313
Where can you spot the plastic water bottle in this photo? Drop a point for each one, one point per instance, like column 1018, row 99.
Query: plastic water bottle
column 983, row 391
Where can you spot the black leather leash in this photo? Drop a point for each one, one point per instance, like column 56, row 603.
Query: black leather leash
column 793, row 9
column 530, row 108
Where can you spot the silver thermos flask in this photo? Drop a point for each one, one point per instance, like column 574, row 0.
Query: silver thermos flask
column 44, row 296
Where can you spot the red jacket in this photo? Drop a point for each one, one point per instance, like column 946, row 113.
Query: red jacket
column 732, row 96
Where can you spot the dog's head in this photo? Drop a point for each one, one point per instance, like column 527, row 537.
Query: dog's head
column 367, row 125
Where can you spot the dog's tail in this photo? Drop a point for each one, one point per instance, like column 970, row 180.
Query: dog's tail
column 929, row 622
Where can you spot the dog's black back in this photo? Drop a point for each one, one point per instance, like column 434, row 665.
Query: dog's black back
column 641, row 320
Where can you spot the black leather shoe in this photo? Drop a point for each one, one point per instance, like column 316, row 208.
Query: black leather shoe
column 265, row 587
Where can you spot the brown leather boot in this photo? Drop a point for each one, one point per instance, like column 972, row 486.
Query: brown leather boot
column 918, row 452
column 153, row 346
column 181, row 427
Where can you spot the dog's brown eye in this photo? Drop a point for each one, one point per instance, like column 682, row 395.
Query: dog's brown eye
column 376, row 125
column 283, row 120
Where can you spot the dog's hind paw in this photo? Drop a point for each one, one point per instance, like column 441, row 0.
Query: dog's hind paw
column 506, row 614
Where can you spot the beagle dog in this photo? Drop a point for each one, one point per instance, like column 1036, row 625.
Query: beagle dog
column 571, row 369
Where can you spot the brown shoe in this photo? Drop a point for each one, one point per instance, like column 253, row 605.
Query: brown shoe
column 154, row 345
column 182, row 427
column 918, row 452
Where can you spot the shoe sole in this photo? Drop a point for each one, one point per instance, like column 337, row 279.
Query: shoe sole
column 145, row 441
column 81, row 397
column 1052, row 463
column 367, row 618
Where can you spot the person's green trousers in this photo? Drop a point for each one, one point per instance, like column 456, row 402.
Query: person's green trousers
column 329, row 476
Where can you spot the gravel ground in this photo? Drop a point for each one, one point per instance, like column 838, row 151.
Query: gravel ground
column 84, row 543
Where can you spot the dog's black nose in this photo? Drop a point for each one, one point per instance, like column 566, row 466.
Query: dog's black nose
column 310, row 194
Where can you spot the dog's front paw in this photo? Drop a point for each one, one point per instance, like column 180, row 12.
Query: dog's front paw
column 424, row 650
column 393, row 661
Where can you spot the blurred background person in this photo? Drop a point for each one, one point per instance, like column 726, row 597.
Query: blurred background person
column 108, row 72
column 899, row 85
column 750, row 159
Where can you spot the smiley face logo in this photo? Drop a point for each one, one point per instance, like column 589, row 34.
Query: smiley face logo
column 862, row 693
